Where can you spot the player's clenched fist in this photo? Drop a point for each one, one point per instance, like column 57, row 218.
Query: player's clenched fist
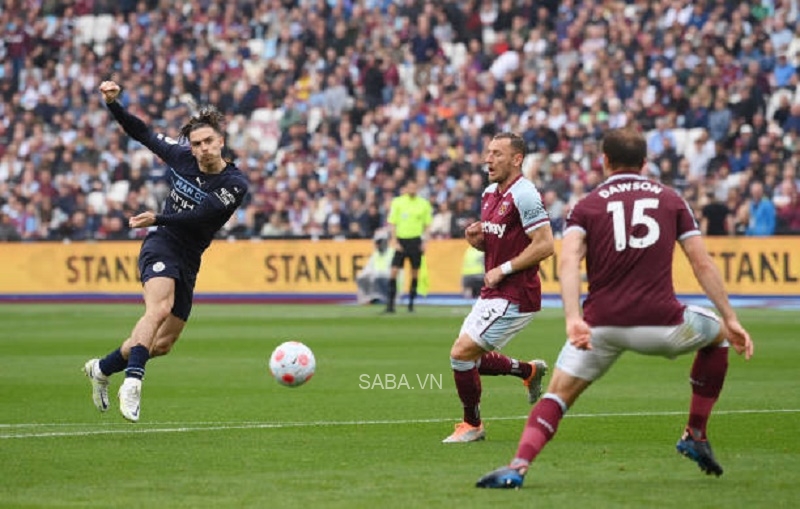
column 110, row 91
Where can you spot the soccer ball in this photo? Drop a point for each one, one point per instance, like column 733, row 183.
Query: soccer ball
column 292, row 364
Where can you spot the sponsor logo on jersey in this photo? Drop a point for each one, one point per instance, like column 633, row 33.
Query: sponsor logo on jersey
column 187, row 190
column 530, row 215
column 225, row 196
column 495, row 229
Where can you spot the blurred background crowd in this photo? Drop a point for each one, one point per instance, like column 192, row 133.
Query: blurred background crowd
column 333, row 104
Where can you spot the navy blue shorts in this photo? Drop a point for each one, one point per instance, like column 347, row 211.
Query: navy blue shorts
column 161, row 258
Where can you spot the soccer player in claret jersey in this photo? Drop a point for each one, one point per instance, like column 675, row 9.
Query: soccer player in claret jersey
column 626, row 229
column 205, row 190
column 515, row 235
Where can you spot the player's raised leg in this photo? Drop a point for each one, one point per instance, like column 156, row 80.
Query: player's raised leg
column 532, row 373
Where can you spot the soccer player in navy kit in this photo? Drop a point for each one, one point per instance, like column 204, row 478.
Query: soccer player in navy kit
column 205, row 190
column 626, row 229
column 515, row 235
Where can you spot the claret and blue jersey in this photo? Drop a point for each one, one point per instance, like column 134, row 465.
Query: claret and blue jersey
column 508, row 218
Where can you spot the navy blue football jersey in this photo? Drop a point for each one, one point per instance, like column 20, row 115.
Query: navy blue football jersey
column 198, row 204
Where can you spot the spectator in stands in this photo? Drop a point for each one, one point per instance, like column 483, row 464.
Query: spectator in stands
column 761, row 214
column 442, row 219
column 316, row 84
column 424, row 47
column 655, row 144
column 8, row 231
column 792, row 122
column 716, row 219
column 699, row 151
column 275, row 227
column 720, row 117
column 696, row 115
column 783, row 71
column 787, row 207
column 463, row 216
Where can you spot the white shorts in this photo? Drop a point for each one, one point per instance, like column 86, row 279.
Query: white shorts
column 699, row 329
column 493, row 322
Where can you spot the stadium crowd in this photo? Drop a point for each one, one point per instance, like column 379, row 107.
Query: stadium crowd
column 333, row 104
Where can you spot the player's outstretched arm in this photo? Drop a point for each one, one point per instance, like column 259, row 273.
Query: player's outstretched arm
column 573, row 250
column 168, row 150
column 710, row 279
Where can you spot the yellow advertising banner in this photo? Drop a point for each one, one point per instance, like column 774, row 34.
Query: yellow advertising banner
column 749, row 266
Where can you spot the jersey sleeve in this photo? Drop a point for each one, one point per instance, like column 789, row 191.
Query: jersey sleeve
column 169, row 150
column 219, row 204
column 532, row 213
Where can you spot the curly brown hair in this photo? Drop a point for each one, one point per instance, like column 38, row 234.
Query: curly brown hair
column 208, row 116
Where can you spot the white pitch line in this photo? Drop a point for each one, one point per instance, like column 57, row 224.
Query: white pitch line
column 126, row 428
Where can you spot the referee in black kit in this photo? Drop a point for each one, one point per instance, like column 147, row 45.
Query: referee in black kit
column 409, row 218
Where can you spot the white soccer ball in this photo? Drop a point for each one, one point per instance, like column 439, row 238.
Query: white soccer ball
column 292, row 364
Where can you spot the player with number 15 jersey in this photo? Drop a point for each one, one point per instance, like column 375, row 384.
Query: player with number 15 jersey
column 633, row 222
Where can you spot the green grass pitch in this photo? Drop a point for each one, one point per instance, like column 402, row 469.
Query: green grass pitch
column 217, row 432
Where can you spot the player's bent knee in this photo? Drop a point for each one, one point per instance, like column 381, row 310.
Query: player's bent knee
column 459, row 352
column 466, row 349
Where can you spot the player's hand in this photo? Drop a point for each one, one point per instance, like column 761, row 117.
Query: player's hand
column 142, row 220
column 474, row 235
column 110, row 91
column 579, row 334
column 492, row 278
column 739, row 338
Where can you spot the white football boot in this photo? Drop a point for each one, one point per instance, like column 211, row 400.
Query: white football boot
column 99, row 384
column 130, row 395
